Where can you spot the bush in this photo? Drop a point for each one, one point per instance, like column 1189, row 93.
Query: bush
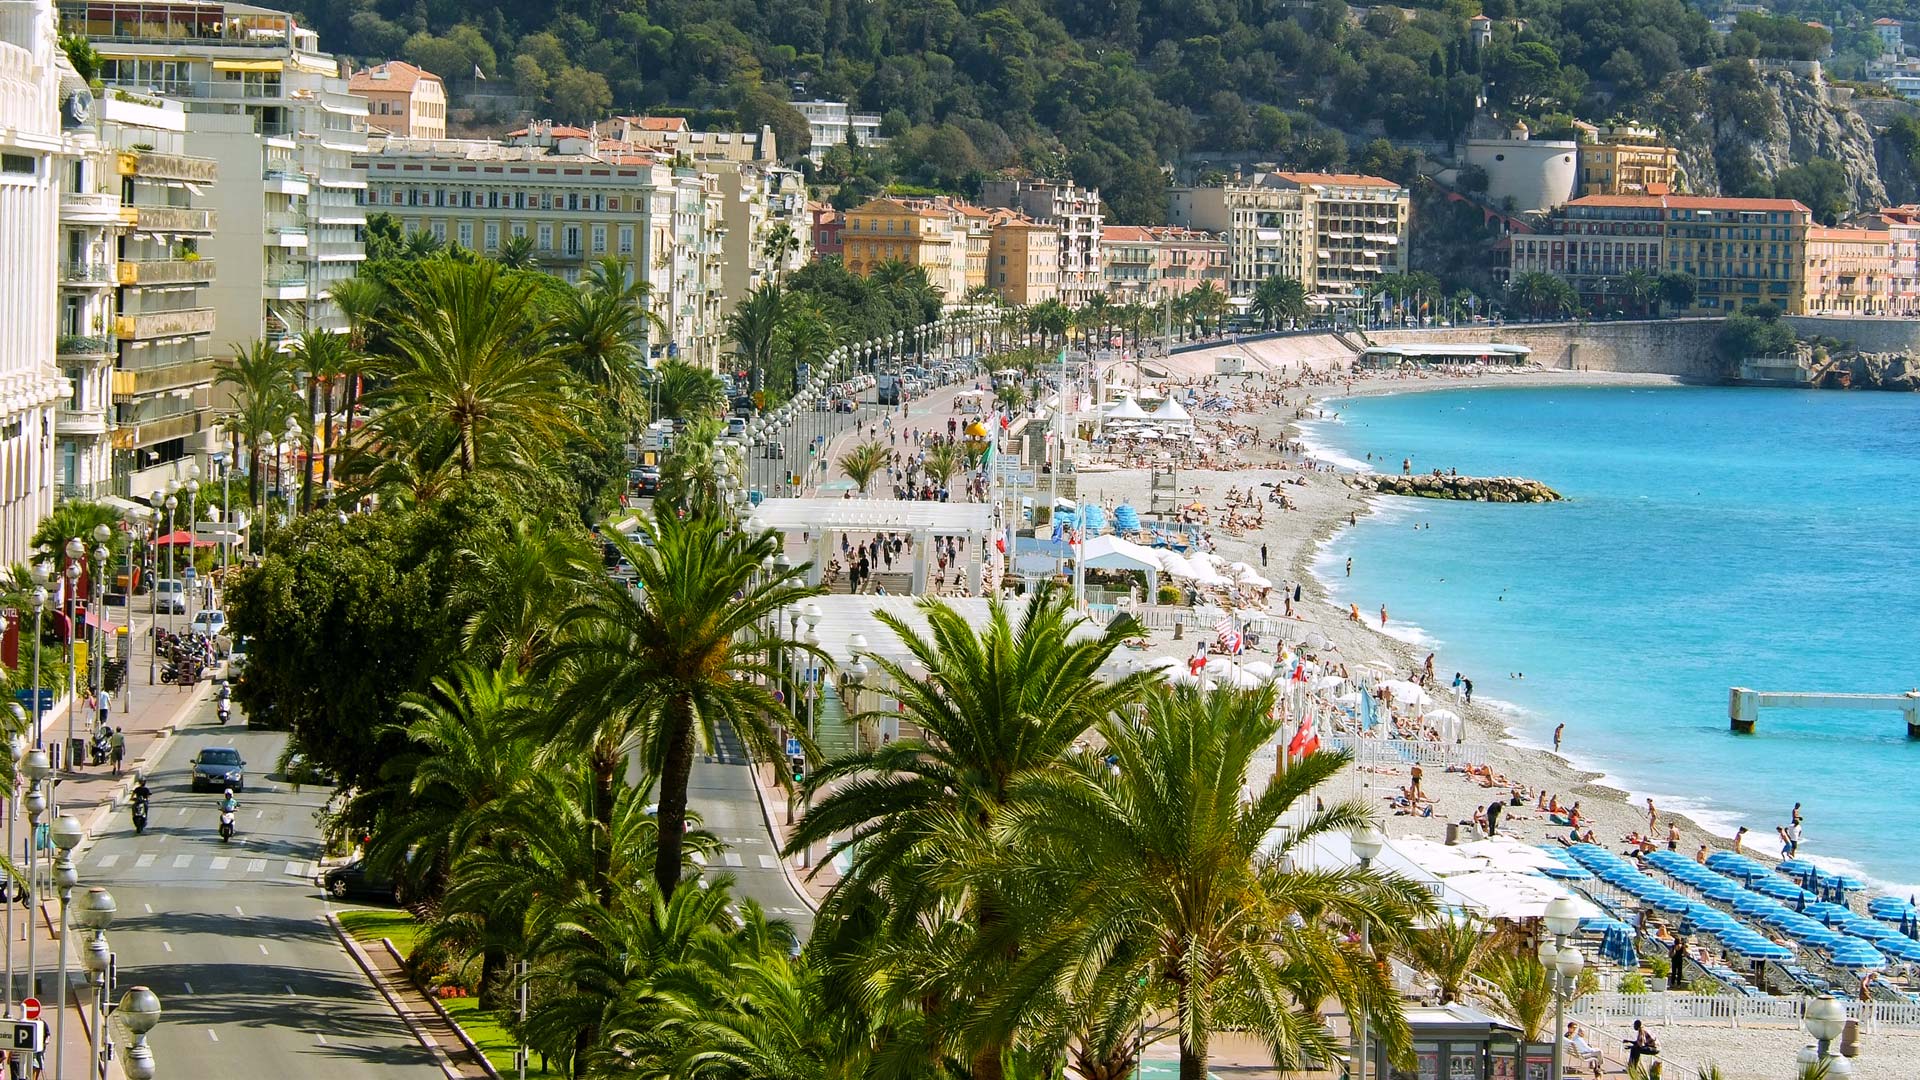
column 1168, row 594
column 1635, row 983
column 1659, row 966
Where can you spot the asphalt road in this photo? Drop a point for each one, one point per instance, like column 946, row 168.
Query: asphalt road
column 232, row 935
column 721, row 792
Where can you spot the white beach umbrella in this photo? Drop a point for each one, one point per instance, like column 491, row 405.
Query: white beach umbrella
column 1351, row 698
column 1406, row 693
column 1326, row 682
column 1261, row 670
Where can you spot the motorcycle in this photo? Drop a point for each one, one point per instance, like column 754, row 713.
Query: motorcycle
column 139, row 815
column 226, row 709
column 226, row 825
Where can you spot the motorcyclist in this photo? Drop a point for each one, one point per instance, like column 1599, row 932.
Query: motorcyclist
column 142, row 795
column 228, row 804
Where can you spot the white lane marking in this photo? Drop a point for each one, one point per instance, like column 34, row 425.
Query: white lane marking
column 106, row 861
column 290, row 992
column 211, row 1034
column 218, row 862
column 258, row 814
column 768, row 862
column 237, row 911
column 733, row 859
column 181, row 862
column 254, row 866
column 187, row 984
column 319, row 1038
column 149, row 908
column 143, row 862
column 263, row 950
column 297, row 869
column 182, row 812
column 167, row 946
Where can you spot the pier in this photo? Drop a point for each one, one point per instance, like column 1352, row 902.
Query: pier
column 1744, row 705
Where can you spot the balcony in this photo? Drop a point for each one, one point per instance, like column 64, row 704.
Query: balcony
column 285, row 182
column 167, row 272
column 156, row 166
column 90, row 207
column 167, row 219
column 85, row 492
column 129, row 436
column 75, row 346
column 559, row 255
column 87, row 273
column 162, row 324
column 68, row 422
column 285, row 284
column 159, row 380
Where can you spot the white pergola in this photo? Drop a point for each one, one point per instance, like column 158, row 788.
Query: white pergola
column 824, row 519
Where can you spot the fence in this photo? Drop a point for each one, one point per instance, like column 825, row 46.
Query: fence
column 1429, row 755
column 1735, row 1011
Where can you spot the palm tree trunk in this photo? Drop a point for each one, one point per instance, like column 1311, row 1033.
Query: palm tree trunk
column 493, row 970
column 674, row 774
column 326, row 441
column 606, row 766
column 306, row 468
column 253, row 478
column 1193, row 1061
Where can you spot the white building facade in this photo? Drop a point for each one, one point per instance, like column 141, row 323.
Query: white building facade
column 829, row 122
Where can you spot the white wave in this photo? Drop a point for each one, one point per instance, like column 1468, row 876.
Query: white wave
column 1312, row 444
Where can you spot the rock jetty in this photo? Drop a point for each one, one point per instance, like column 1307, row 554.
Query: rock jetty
column 1497, row 489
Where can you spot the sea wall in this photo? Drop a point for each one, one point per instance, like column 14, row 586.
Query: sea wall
column 1500, row 489
column 1681, row 347
column 1884, row 334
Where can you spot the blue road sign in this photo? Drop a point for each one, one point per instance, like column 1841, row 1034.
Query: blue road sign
column 25, row 697
column 793, row 747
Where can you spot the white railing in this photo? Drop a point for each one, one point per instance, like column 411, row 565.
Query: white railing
column 1431, row 755
column 1734, row 1010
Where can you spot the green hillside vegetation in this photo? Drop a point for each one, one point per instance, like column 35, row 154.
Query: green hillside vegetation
column 1105, row 91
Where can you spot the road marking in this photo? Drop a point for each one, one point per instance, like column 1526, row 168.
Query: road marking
column 237, row 911
column 181, row 862
column 254, row 866
column 149, row 908
column 263, row 950
column 218, row 862
column 733, row 859
column 143, row 862
column 106, row 861
column 768, row 862
column 297, row 869
column 211, row 1034
column 290, row 992
column 167, row 945
column 182, row 812
column 258, row 814
column 187, row 984
column 319, row 1038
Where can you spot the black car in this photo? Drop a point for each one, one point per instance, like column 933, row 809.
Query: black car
column 355, row 881
column 218, row 767
column 648, row 481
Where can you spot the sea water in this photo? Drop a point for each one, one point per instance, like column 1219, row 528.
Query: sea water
column 1712, row 538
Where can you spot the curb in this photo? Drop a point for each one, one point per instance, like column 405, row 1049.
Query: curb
column 460, row 1032
column 773, row 833
column 440, row 1057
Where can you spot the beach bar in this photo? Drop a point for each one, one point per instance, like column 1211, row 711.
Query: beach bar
column 1443, row 354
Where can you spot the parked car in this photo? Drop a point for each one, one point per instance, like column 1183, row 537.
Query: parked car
column 217, row 767
column 648, row 483
column 171, row 596
column 355, row 880
column 211, row 622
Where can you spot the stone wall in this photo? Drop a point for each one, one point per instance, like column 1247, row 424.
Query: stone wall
column 1881, row 334
column 1656, row 346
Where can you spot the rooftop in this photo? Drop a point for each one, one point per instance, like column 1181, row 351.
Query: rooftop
column 395, row 76
column 1689, row 202
column 1335, row 179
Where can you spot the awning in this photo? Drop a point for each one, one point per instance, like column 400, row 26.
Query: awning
column 127, row 507
column 248, row 65
column 181, row 536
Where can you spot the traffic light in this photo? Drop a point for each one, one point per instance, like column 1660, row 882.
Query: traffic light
column 799, row 765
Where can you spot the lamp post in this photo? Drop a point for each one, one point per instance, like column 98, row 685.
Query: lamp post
column 1366, row 840
column 136, row 537
column 1826, row 1020
column 37, row 766
column 192, row 488
column 40, row 574
column 293, row 442
column 101, row 556
column 76, row 552
column 95, row 915
column 173, row 503
column 140, row 1011
column 18, row 746
column 66, row 835
column 1563, row 963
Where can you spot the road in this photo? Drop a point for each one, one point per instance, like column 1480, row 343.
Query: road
column 721, row 792
column 232, row 936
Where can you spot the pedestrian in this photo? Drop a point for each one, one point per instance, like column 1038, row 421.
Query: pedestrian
column 117, row 747
column 1263, row 555
column 1653, row 816
column 1494, row 810
column 1558, row 732
column 1469, row 685
column 1793, row 840
column 1457, row 680
column 1673, row 835
column 1349, row 566
column 1796, row 814
column 1739, row 839
column 1383, row 616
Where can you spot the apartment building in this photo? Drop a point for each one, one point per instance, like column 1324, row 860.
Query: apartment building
column 1336, row 233
column 1076, row 212
column 136, row 324
column 41, row 101
column 1741, row 252
column 670, row 135
column 402, row 100
column 263, row 101
column 755, row 199
column 830, row 122
column 576, row 209
column 913, row 231
column 1849, row 272
column 1155, row 264
column 1627, row 160
column 1024, row 259
column 828, row 224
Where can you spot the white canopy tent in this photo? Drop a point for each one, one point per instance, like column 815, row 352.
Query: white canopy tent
column 1127, row 409
column 1171, row 411
column 1116, row 553
column 824, row 519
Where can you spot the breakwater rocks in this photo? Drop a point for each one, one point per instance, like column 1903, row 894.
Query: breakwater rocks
column 1496, row 489
column 1865, row 371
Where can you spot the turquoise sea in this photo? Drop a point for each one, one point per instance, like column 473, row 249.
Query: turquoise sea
column 1713, row 538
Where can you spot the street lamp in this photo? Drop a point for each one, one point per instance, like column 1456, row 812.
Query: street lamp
column 76, row 552
column 1366, row 840
column 95, row 915
column 18, row 746
column 140, row 1011
column 1563, row 963
column 66, row 835
column 173, row 503
column 37, row 765
column 101, row 534
column 41, row 572
column 1826, row 1020
column 192, row 488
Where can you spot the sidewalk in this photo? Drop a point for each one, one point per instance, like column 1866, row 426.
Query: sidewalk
column 91, row 794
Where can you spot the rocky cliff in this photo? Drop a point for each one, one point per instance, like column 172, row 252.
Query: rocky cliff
column 1499, row 489
column 1866, row 371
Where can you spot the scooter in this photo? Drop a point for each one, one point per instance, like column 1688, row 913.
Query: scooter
column 226, row 709
column 139, row 816
column 226, row 825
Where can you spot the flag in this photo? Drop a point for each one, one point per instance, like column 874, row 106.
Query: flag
column 1368, row 716
column 1306, row 739
column 1232, row 642
column 478, row 74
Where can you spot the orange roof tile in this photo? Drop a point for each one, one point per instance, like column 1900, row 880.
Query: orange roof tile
column 1844, row 235
column 1689, row 202
column 394, row 76
column 1342, row 179
column 1132, row 234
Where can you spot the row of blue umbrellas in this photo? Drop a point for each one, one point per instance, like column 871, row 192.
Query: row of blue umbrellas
column 1844, row 935
column 1566, row 869
column 1126, row 519
column 1732, row 934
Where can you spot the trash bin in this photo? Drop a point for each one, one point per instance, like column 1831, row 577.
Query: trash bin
column 76, row 752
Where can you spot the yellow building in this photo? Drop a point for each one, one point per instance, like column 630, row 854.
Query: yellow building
column 1628, row 161
column 912, row 231
column 403, row 100
column 1025, row 263
column 1849, row 272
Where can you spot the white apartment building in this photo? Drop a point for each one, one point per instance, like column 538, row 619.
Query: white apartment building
column 829, row 121
column 135, row 325
column 576, row 209
column 41, row 101
column 1076, row 212
column 1336, row 233
column 754, row 199
column 262, row 101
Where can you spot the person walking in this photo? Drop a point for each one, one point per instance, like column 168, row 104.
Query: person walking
column 1558, row 732
column 117, row 749
column 1349, row 566
column 1468, row 683
column 1263, row 556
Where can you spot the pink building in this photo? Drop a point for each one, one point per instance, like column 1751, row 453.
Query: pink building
column 827, row 226
column 1149, row 264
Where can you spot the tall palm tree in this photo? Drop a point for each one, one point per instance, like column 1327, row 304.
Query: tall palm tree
column 259, row 383
column 862, row 462
column 519, row 586
column 907, row 288
column 1640, row 287
column 684, row 391
column 1207, row 302
column 804, row 336
column 468, row 364
column 1525, row 988
column 360, row 300
column 1279, row 299
column 323, row 356
column 601, row 328
column 754, row 330
column 1171, row 876
column 1452, row 950
column 517, row 253
column 779, row 244
column 943, row 461
column 655, row 669
column 1050, row 319
column 994, row 705
column 1095, row 317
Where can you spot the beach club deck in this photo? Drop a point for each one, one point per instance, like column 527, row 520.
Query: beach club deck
column 1444, row 354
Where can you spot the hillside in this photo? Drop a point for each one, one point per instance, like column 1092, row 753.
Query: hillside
column 1107, row 90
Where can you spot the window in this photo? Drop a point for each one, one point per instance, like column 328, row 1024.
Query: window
column 19, row 164
column 519, row 228
column 545, row 242
column 599, row 239
column 466, row 234
column 626, row 239
column 493, row 236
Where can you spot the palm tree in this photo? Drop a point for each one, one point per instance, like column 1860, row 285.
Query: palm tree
column 803, row 336
column 1526, row 991
column 1050, row 319
column 768, row 1019
column 653, row 670
column 259, row 382
column 1280, row 299
column 519, row 586
column 994, row 705
column 1095, row 316
column 1207, row 302
column 684, row 391
column 907, row 288
column 601, row 328
column 943, row 461
column 753, row 328
column 76, row 517
column 517, row 253
column 778, row 245
column 469, row 369
column 1170, row 876
column 862, row 462
column 1010, row 394
column 1453, row 950
column 691, row 472
column 1541, row 294
column 360, row 300
column 1640, row 288
column 324, row 356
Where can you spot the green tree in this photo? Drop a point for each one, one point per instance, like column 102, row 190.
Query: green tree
column 943, row 461
column 71, row 518
column 861, row 463
column 754, row 328
column 1170, row 877
column 517, row 253
column 1677, row 289
column 601, row 329
column 1639, row 288
column 323, row 356
column 1821, row 185
column 1452, row 950
column 1541, row 295
column 655, row 669
column 1525, row 988
column 1279, row 299
column 258, row 379
column 684, row 391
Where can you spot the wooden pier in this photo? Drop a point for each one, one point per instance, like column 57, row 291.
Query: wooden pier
column 1744, row 705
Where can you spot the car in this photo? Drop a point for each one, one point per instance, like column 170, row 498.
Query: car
column 356, row 880
column 736, row 427
column 211, row 622
column 648, row 482
column 218, row 767
column 170, row 596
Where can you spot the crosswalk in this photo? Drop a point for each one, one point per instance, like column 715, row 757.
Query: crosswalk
column 215, row 864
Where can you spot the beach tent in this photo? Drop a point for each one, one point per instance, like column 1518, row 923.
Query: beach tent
column 1127, row 409
column 1116, row 553
column 1171, row 411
